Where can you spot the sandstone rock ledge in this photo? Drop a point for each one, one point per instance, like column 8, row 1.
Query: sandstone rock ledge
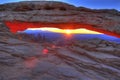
column 84, row 60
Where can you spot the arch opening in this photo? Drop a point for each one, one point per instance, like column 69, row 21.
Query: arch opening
column 63, row 36
column 65, row 31
column 21, row 26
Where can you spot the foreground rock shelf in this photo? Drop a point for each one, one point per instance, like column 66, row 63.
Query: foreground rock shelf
column 82, row 60
column 93, row 59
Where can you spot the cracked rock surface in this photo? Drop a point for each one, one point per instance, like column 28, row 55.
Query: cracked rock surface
column 93, row 59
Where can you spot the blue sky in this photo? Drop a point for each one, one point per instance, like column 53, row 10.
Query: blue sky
column 94, row 4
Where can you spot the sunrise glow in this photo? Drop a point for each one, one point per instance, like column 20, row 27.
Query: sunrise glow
column 67, row 31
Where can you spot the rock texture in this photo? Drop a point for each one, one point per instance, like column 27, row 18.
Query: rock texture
column 58, row 12
column 82, row 60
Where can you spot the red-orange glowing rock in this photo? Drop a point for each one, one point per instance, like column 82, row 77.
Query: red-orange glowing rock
column 21, row 26
column 22, row 15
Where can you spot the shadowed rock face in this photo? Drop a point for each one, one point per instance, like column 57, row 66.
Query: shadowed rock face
column 82, row 60
column 58, row 13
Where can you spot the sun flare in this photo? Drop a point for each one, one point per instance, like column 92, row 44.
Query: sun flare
column 67, row 31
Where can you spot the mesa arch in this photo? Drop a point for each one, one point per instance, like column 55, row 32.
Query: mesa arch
column 22, row 15
column 15, row 26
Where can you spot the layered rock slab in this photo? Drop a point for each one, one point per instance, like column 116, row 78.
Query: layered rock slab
column 82, row 60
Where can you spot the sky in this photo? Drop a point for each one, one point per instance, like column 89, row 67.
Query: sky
column 93, row 4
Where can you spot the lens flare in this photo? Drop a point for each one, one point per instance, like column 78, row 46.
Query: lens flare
column 45, row 51
column 68, row 31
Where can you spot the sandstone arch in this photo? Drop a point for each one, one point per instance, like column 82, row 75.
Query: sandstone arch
column 21, row 26
column 20, row 15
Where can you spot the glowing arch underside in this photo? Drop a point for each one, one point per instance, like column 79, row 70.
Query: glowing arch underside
column 21, row 26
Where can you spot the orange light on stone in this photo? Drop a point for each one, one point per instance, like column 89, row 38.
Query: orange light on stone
column 15, row 26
